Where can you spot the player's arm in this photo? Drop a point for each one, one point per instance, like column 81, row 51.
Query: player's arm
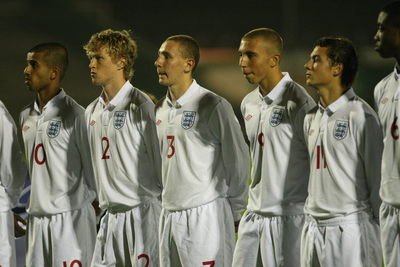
column 235, row 153
column 19, row 226
column 371, row 148
column 147, row 127
column 13, row 170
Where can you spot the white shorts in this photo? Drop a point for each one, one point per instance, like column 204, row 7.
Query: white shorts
column 129, row 238
column 352, row 240
column 7, row 241
column 389, row 221
column 200, row 236
column 65, row 239
column 268, row 241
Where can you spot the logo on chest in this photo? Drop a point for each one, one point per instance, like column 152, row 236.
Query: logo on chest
column 188, row 118
column 119, row 119
column 53, row 129
column 276, row 116
column 340, row 130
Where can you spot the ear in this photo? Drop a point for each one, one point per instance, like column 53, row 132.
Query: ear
column 121, row 63
column 54, row 73
column 274, row 60
column 189, row 65
column 337, row 69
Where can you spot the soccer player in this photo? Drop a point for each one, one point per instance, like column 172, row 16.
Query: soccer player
column 345, row 148
column 387, row 103
column 126, row 155
column 13, row 174
column 270, row 231
column 205, row 163
column 61, row 228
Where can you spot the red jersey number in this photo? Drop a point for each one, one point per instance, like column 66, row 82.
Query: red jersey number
column 394, row 129
column 107, row 146
column 74, row 263
column 171, row 146
column 42, row 159
column 209, row 263
column 260, row 139
column 320, row 157
column 146, row 257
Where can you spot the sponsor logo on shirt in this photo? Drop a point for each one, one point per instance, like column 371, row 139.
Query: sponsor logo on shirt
column 188, row 118
column 311, row 132
column 385, row 100
column 248, row 117
column 53, row 129
column 119, row 119
column 276, row 116
column 340, row 129
column 25, row 128
column 93, row 122
column 158, row 122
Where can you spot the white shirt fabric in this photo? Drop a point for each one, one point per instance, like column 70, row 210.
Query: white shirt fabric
column 280, row 167
column 345, row 147
column 57, row 148
column 13, row 170
column 125, row 151
column 386, row 96
column 203, row 151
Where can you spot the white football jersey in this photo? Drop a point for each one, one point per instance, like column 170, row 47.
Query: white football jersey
column 57, row 149
column 345, row 147
column 203, row 151
column 13, row 170
column 280, row 166
column 125, row 150
column 387, row 103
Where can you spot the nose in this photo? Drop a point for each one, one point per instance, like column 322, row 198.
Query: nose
column 241, row 61
column 307, row 65
column 91, row 63
column 376, row 37
column 26, row 70
column 157, row 62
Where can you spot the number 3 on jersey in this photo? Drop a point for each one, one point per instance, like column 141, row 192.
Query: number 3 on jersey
column 171, row 147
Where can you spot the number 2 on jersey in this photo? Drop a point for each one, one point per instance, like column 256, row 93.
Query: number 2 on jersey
column 171, row 146
column 105, row 156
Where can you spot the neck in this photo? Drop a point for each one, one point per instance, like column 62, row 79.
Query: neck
column 270, row 82
column 111, row 90
column 328, row 95
column 44, row 96
column 176, row 91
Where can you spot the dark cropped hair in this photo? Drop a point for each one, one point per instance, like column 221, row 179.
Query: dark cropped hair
column 392, row 9
column 341, row 50
column 54, row 55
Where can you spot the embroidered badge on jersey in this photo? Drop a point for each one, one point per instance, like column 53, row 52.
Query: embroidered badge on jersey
column 276, row 116
column 53, row 129
column 188, row 118
column 340, row 129
column 119, row 119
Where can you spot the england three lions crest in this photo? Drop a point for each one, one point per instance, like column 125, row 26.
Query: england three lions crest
column 53, row 129
column 340, row 130
column 119, row 119
column 276, row 116
column 188, row 118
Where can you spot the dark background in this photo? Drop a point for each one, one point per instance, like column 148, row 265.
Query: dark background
column 217, row 25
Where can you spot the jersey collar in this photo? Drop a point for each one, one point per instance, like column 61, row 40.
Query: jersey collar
column 61, row 94
column 118, row 97
column 185, row 97
column 332, row 108
column 276, row 94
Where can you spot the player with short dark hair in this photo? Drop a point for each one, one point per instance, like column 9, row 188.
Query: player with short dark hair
column 345, row 148
column 386, row 96
column 61, row 219
column 205, row 163
column 269, row 233
column 126, row 155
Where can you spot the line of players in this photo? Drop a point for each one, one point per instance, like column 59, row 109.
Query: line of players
column 316, row 179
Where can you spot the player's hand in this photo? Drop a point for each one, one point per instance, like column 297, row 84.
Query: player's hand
column 237, row 226
column 19, row 226
column 96, row 207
